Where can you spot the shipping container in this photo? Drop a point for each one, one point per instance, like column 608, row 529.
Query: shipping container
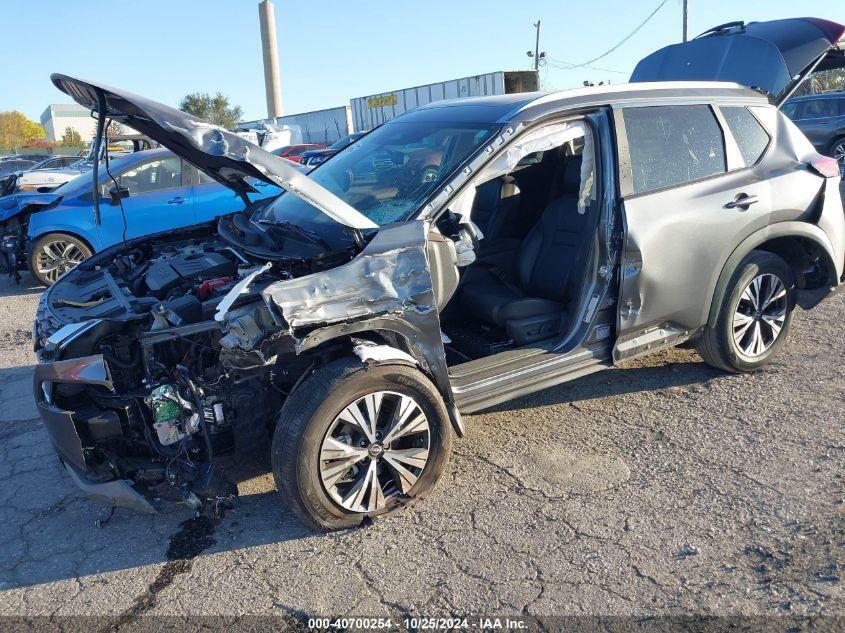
column 373, row 110
column 320, row 126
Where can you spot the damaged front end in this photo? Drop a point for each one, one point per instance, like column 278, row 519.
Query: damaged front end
column 159, row 355
column 15, row 210
column 182, row 348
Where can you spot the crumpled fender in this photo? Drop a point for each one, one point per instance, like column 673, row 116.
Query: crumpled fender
column 12, row 205
column 387, row 287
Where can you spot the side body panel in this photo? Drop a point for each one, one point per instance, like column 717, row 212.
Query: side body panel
column 677, row 241
column 682, row 244
column 73, row 216
column 146, row 213
column 387, row 287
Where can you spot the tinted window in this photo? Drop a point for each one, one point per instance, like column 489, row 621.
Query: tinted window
column 672, row 145
column 790, row 110
column 155, row 175
column 747, row 132
column 819, row 108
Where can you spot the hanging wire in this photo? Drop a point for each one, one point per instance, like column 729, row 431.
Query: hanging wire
column 587, row 63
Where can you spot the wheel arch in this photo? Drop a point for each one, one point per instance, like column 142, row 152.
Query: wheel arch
column 60, row 230
column 405, row 341
column 800, row 244
column 34, row 238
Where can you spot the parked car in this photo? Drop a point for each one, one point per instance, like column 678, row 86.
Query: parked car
column 294, row 152
column 10, row 183
column 49, row 233
column 822, row 118
column 316, row 157
column 354, row 323
column 47, row 179
column 18, row 162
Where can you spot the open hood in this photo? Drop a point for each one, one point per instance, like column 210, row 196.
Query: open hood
column 221, row 154
column 774, row 56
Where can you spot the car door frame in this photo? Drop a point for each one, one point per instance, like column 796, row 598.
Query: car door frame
column 582, row 349
column 648, row 321
column 102, row 230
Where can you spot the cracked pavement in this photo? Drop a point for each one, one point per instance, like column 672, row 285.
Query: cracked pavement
column 662, row 487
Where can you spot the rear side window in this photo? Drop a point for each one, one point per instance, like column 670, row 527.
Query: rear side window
column 819, row 108
column 749, row 135
column 673, row 145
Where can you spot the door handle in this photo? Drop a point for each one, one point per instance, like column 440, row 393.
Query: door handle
column 176, row 200
column 742, row 201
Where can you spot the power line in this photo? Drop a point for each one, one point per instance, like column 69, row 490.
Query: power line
column 561, row 64
column 627, row 37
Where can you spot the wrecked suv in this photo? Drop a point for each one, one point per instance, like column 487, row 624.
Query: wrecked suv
column 344, row 326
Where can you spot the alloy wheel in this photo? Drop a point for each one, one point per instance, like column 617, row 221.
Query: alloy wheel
column 375, row 449
column 760, row 315
column 56, row 257
column 839, row 154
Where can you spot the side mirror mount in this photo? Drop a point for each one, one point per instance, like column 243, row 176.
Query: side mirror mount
column 116, row 194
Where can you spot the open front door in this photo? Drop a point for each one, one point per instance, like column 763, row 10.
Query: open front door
column 774, row 56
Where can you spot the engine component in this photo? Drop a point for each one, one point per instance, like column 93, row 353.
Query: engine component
column 173, row 417
column 180, row 311
column 246, row 326
column 164, row 274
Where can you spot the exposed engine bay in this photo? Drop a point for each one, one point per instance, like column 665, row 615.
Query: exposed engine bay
column 191, row 351
column 168, row 352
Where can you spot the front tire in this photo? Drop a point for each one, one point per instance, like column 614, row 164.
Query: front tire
column 356, row 441
column 755, row 316
column 54, row 254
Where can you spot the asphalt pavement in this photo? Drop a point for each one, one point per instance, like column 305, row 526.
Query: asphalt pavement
column 661, row 488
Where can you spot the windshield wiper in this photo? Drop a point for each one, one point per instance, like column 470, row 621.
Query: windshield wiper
column 308, row 234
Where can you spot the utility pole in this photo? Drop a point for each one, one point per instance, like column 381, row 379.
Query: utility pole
column 686, row 19
column 536, row 54
column 270, row 52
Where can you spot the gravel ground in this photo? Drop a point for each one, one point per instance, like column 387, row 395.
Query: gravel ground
column 660, row 488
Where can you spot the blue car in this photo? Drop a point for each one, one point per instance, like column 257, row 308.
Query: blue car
column 51, row 232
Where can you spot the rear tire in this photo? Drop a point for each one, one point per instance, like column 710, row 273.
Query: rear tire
column 54, row 254
column 755, row 315
column 314, row 441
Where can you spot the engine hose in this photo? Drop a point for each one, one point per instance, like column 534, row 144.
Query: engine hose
column 200, row 405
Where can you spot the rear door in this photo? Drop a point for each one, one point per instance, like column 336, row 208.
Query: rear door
column 690, row 193
column 157, row 201
column 774, row 56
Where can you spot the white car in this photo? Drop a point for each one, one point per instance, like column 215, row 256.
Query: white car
column 52, row 172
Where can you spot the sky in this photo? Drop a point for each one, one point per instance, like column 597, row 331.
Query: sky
column 334, row 50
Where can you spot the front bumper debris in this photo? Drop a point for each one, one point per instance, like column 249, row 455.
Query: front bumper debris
column 63, row 426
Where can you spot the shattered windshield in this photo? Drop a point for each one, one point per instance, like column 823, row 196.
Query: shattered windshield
column 388, row 173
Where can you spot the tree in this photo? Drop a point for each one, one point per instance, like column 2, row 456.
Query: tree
column 114, row 129
column 71, row 138
column 16, row 130
column 214, row 109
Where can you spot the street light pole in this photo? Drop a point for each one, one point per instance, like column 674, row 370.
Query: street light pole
column 537, row 46
column 686, row 19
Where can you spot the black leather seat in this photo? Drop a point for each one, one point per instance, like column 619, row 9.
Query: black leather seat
column 531, row 306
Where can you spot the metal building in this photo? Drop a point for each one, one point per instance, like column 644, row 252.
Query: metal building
column 373, row 110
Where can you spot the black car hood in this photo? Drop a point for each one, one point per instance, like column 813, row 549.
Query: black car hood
column 223, row 155
column 774, row 56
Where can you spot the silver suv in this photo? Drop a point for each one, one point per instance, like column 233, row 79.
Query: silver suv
column 463, row 254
